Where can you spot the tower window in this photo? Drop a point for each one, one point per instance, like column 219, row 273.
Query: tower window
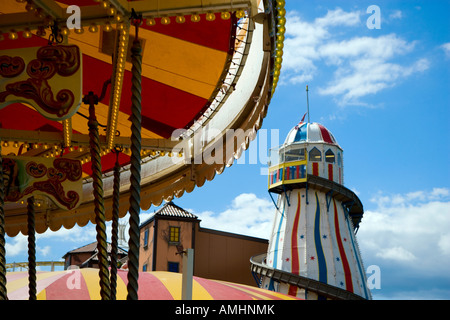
column 174, row 235
column 295, row 154
column 339, row 159
column 329, row 156
column 315, row 154
column 146, row 238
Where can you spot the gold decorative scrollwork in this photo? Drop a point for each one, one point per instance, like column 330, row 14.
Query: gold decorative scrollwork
column 50, row 60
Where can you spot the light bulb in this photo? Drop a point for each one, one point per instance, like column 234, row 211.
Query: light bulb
column 240, row 14
column 107, row 27
column 27, row 33
column 13, row 35
column 225, row 15
column 165, row 20
column 93, row 28
column 180, row 19
column 195, row 18
column 65, row 31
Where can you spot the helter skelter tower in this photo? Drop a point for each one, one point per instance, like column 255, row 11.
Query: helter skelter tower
column 313, row 252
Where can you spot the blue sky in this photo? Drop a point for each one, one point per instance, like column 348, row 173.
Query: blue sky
column 384, row 94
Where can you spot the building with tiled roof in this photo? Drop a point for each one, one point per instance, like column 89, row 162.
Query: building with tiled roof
column 86, row 256
column 217, row 254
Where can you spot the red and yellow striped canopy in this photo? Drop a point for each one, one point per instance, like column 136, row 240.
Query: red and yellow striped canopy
column 205, row 64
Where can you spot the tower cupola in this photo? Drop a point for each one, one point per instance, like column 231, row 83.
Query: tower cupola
column 309, row 149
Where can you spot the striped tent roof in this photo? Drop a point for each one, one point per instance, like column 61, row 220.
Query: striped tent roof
column 83, row 284
column 310, row 132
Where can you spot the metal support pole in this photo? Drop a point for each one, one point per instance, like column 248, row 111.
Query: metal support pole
column 188, row 273
column 94, row 141
column 3, row 291
column 135, row 169
column 307, row 103
column 115, row 226
column 31, row 249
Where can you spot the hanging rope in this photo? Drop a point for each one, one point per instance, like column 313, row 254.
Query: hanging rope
column 3, row 291
column 135, row 169
column 115, row 224
column 94, row 142
column 31, row 249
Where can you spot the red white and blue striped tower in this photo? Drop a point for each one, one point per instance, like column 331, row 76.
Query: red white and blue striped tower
column 313, row 252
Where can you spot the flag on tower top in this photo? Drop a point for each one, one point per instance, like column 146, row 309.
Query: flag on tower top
column 301, row 121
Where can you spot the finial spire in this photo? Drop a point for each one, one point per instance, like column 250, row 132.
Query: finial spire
column 307, row 102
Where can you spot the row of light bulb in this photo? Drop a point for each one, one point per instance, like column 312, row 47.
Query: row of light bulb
column 37, row 203
column 150, row 152
column 281, row 29
column 118, row 18
column 53, row 149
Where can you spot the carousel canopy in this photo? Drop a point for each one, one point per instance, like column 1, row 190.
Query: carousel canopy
column 207, row 67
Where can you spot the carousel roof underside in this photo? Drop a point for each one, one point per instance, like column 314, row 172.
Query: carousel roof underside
column 205, row 64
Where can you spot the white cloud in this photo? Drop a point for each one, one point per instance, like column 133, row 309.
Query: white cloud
column 15, row 246
column 407, row 236
column 44, row 251
column 396, row 254
column 409, row 227
column 339, row 17
column 247, row 215
column 444, row 244
column 75, row 234
column 446, row 48
column 362, row 65
column 397, row 14
column 49, row 242
column 413, row 198
column 438, row 193
column 383, row 47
